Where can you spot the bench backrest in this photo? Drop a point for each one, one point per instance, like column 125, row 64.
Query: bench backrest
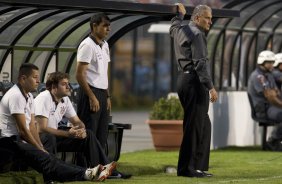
column 253, row 113
column 261, row 121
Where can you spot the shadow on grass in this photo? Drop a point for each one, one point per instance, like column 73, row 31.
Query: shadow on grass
column 142, row 170
column 239, row 148
column 21, row 177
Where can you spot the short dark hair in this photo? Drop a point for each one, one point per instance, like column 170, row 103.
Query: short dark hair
column 97, row 19
column 54, row 78
column 26, row 69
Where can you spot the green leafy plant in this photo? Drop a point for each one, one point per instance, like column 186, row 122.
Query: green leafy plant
column 167, row 109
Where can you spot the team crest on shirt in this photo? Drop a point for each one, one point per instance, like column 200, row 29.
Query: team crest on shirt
column 63, row 110
column 99, row 56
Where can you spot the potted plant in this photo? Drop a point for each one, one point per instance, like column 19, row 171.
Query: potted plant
column 165, row 124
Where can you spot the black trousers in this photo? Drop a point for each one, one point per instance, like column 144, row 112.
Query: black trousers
column 275, row 113
column 90, row 147
column 47, row 164
column 95, row 121
column 195, row 147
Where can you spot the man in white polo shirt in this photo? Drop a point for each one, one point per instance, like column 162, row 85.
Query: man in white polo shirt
column 20, row 136
column 51, row 106
column 94, row 104
column 93, row 56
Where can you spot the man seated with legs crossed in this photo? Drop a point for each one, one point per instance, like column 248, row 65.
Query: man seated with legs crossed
column 21, row 137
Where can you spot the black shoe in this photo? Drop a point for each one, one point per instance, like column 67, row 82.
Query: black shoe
column 270, row 146
column 207, row 174
column 273, row 145
column 196, row 174
column 49, row 182
column 118, row 175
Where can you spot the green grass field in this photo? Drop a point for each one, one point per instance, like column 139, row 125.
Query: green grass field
column 247, row 165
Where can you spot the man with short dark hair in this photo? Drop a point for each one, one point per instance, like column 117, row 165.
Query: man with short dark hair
column 93, row 56
column 51, row 106
column 19, row 132
column 94, row 99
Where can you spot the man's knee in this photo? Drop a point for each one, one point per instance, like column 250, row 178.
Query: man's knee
column 279, row 117
column 6, row 160
column 49, row 141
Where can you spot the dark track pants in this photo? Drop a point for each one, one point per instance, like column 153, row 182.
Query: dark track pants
column 195, row 148
column 89, row 146
column 95, row 121
column 47, row 164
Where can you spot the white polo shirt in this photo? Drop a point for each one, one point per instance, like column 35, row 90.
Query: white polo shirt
column 13, row 102
column 98, row 59
column 46, row 106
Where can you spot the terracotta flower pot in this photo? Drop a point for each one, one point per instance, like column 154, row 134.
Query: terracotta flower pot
column 167, row 134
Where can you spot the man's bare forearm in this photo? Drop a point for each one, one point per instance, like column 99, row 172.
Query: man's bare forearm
column 81, row 79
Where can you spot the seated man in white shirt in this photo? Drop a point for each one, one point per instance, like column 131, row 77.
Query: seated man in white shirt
column 20, row 137
column 51, row 106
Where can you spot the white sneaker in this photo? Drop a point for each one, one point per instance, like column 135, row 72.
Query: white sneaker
column 93, row 173
column 106, row 171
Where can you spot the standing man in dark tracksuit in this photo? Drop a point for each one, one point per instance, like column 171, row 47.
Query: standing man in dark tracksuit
column 195, row 89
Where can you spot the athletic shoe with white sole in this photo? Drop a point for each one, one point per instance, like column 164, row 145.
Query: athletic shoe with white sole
column 106, row 171
column 93, row 173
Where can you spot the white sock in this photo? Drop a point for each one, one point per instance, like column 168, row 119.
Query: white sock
column 87, row 174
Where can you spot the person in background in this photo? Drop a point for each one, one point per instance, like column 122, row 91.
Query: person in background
column 277, row 71
column 20, row 136
column 195, row 89
column 266, row 96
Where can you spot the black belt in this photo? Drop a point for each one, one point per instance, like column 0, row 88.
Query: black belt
column 185, row 64
column 99, row 89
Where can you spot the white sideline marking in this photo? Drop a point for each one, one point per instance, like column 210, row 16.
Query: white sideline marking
column 245, row 180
